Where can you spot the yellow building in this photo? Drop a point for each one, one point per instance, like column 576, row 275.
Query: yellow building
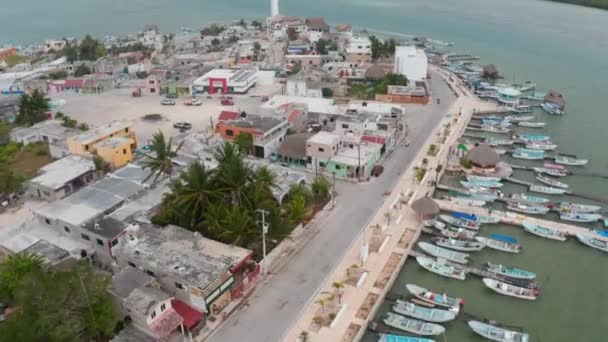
column 115, row 142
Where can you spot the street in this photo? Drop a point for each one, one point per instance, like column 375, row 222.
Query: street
column 275, row 305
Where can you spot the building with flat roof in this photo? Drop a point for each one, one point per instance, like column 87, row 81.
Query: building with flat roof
column 117, row 151
column 411, row 62
column 225, row 81
column 359, row 50
column 415, row 92
column 50, row 131
column 151, row 311
column 62, row 177
column 267, row 132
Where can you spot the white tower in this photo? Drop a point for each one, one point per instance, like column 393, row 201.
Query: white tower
column 274, row 8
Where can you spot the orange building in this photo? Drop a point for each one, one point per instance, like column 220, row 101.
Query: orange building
column 267, row 133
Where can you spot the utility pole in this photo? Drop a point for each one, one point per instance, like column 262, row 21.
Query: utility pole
column 359, row 161
column 333, row 190
column 264, row 232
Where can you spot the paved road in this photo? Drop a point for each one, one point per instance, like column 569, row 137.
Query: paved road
column 273, row 308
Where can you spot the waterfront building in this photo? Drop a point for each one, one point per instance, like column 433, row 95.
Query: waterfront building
column 62, row 177
column 484, row 159
column 427, row 209
column 54, row 45
column 115, row 142
column 225, row 81
column 359, row 50
column 509, row 97
column 411, row 62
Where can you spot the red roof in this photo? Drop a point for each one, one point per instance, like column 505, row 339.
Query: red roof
column 227, row 115
column 72, row 83
column 244, row 61
column 294, row 115
column 374, row 139
column 168, row 321
column 190, row 315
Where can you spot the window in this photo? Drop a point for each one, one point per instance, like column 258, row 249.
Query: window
column 124, row 151
column 321, row 149
column 153, row 314
column 85, row 237
column 99, row 242
column 229, row 132
column 67, row 230
column 127, row 130
column 86, row 147
column 47, row 221
column 131, row 264
column 321, row 164
column 344, row 125
column 150, row 273
column 114, row 242
column 337, row 167
column 179, row 286
column 162, row 307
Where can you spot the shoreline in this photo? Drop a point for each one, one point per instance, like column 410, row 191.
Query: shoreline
column 584, row 3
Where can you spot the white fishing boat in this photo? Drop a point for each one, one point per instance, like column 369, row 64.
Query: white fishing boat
column 541, row 146
column 510, row 290
column 524, row 153
column 531, row 124
column 545, row 232
column 473, row 178
column 423, row 313
column 555, row 167
column 509, row 272
column 580, row 217
column 525, row 198
column 488, row 219
column 528, row 209
column 550, row 172
column 467, row 201
column 454, row 232
column 519, row 119
column 443, row 253
column 499, row 142
column 547, row 190
column 576, row 207
column 571, row 161
column 413, row 325
column 552, row 182
column 478, row 184
column 459, row 245
column 495, row 129
column 435, row 298
column 498, row 334
column 526, row 138
column 499, row 245
column 593, row 242
column 441, row 268
column 552, row 108
column 459, row 222
column 401, row 338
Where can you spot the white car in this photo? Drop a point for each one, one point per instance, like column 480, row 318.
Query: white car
column 196, row 102
column 167, row 102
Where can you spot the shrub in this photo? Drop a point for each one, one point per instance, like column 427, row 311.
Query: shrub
column 41, row 152
column 464, row 162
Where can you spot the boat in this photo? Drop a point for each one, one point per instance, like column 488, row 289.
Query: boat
column 495, row 129
column 499, row 245
column 602, row 233
column 551, row 108
column 593, row 242
column 550, row 172
column 541, row 146
column 525, row 198
column 467, row 201
column 413, row 325
column 519, row 119
column 423, row 313
column 510, row 272
column 494, row 333
column 441, row 268
column 443, row 253
column 555, row 167
column 459, row 245
column 523, row 153
column 454, row 232
column 435, row 298
column 579, row 217
column 532, row 137
column 466, row 194
column 510, row 290
column 498, row 142
column 488, row 219
column 547, row 190
column 459, row 222
column 473, row 178
column 399, row 338
column 547, row 233
column 571, row 161
column 581, row 208
column 480, row 185
column 528, row 209
column 532, row 124
column 551, row 182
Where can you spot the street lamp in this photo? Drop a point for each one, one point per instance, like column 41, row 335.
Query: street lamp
column 264, row 232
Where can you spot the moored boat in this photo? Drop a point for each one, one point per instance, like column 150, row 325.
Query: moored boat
column 399, row 338
column 495, row 129
column 581, row 208
column 525, row 198
column 518, row 118
column 444, row 253
column 499, row 245
column 532, row 137
column 510, row 290
column 459, row 222
column 551, row 108
column 494, row 333
column 499, row 142
column 459, row 245
column 541, row 146
column 473, row 178
column 510, row 272
column 528, row 209
column 580, row 217
column 441, row 268
column 531, row 124
column 547, row 190
column 548, row 233
column 551, row 182
column 482, row 184
column 555, row 167
column 524, row 153
column 593, row 241
column 570, row 161
column 550, row 172
column 435, row 298
column 423, row 313
column 454, row 232
column 488, row 219
column 467, row 201
column 413, row 325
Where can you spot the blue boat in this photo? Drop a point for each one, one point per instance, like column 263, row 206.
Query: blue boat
column 533, row 137
column 464, row 216
column 398, row 338
column 504, row 238
column 602, row 233
column 524, row 153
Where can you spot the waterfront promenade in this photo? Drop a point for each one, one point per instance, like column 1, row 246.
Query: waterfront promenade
column 350, row 296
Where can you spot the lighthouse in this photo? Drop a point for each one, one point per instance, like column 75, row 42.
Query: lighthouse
column 274, row 8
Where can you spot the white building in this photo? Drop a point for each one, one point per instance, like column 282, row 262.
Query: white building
column 411, row 62
column 359, row 50
column 226, row 81
column 301, row 87
column 54, row 45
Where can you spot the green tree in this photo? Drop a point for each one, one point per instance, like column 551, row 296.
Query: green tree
column 296, row 210
column 234, row 177
column 321, row 188
column 327, row 92
column 32, row 108
column 100, row 51
column 245, row 143
column 321, row 46
column 100, row 164
column 159, row 161
column 233, row 39
column 438, row 170
column 296, row 67
column 88, row 48
column 83, row 126
column 339, row 288
column 10, row 181
column 256, row 24
column 256, row 50
column 215, row 42
column 14, row 269
column 58, row 75
column 70, row 52
column 242, row 23
column 194, row 191
column 303, row 191
column 292, row 34
column 82, row 70
column 4, row 133
column 237, row 226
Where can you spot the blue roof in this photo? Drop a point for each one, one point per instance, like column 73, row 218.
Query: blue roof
column 504, row 238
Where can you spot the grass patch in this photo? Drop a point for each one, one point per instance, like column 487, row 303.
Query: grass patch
column 29, row 160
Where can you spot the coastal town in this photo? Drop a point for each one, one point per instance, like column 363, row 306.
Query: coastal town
column 269, row 180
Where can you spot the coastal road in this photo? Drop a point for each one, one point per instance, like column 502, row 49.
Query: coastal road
column 275, row 305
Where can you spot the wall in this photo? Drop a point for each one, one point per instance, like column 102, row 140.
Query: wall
column 312, row 150
column 118, row 156
column 77, row 147
column 402, row 99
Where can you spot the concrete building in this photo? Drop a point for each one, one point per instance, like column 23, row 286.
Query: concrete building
column 299, row 86
column 267, row 132
column 117, row 151
column 411, row 62
column 54, row 45
column 225, row 81
column 151, row 311
column 509, row 97
column 321, row 147
column 415, row 93
column 359, row 50
column 50, row 131
column 9, row 108
column 317, row 24
column 62, row 177
column 308, row 60
column 115, row 142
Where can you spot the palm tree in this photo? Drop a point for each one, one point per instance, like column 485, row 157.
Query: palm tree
column 438, row 170
column 14, row 268
column 234, row 176
column 237, row 226
column 227, row 152
column 160, row 160
column 321, row 303
column 32, row 108
column 339, row 288
column 245, row 143
column 321, row 188
column 296, row 210
column 194, row 190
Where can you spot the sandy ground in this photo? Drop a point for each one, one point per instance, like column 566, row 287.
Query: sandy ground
column 18, row 214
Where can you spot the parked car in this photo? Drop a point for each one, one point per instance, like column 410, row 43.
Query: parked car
column 182, row 125
column 167, row 102
column 226, row 98
column 193, row 102
column 264, row 98
column 171, row 96
column 227, row 102
column 438, row 101
column 377, row 170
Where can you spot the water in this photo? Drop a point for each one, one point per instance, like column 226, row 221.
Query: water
column 556, row 45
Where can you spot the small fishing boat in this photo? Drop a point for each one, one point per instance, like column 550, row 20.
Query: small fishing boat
column 498, row 142
column 443, row 253
column 465, row 217
column 473, row 178
column 459, row 245
column 571, row 161
column 510, row 272
column 496, row 242
column 459, row 222
column 519, row 119
column 551, row 108
column 555, row 167
column 495, row 129
column 524, row 153
column 488, row 219
column 579, row 217
column 551, row 182
column 601, row 233
column 541, row 146
column 550, row 172
column 496, row 122
column 531, row 124
column 399, row 338
column 532, row 137
column 441, row 268
column 454, row 232
column 467, row 201
column 421, row 312
column 522, row 109
column 443, row 300
column 547, row 190
column 581, row 208
column 478, row 185
column 547, row 233
column 510, row 290
column 413, row 325
column 494, row 333
column 525, row 198
column 528, row 209
column 593, row 241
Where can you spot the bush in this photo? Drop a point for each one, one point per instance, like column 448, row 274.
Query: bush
column 327, row 92
column 41, row 152
column 464, row 162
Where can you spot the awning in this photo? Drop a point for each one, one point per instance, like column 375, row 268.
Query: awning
column 190, row 315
